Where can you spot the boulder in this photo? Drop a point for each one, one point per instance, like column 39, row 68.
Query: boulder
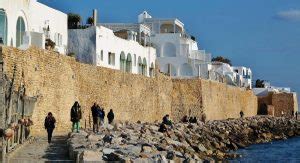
column 147, row 149
column 93, row 138
column 90, row 156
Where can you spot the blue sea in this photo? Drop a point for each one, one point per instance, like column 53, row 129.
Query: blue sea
column 284, row 151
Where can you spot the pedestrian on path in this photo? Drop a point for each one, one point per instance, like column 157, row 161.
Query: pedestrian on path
column 76, row 116
column 101, row 115
column 110, row 116
column 95, row 114
column 242, row 114
column 49, row 125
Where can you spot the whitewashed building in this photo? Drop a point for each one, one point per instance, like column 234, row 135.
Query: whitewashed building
column 177, row 52
column 119, row 50
column 27, row 22
column 245, row 75
column 223, row 72
column 269, row 88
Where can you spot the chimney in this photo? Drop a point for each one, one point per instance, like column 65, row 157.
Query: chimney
column 95, row 17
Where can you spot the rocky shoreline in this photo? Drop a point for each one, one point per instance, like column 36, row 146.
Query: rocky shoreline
column 214, row 140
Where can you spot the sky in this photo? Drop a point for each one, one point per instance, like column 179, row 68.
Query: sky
column 261, row 34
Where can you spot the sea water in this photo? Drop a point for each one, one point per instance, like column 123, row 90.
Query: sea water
column 283, row 151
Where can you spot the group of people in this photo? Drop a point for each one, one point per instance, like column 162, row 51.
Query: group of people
column 76, row 116
column 186, row 119
column 98, row 115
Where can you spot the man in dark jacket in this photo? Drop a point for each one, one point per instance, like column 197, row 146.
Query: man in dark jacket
column 110, row 116
column 95, row 115
column 167, row 121
column 76, row 116
column 49, row 125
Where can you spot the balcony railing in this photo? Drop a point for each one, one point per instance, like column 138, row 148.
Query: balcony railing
column 200, row 55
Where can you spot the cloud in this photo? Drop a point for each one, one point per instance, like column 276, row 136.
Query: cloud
column 289, row 15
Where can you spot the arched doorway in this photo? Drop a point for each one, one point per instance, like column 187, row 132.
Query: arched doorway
column 128, row 63
column 3, row 27
column 122, row 61
column 185, row 70
column 169, row 50
column 20, row 31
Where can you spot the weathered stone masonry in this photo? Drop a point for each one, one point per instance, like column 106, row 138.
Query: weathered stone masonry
column 57, row 81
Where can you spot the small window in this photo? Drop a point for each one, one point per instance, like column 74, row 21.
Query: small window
column 101, row 55
column 111, row 58
column 60, row 39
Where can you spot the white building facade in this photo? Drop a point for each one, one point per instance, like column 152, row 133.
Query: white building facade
column 177, row 52
column 223, row 72
column 27, row 22
column 100, row 46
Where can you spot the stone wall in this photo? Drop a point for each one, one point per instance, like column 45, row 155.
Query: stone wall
column 280, row 102
column 2, row 92
column 216, row 100
column 58, row 81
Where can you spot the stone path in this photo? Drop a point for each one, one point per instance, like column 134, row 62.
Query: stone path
column 40, row 151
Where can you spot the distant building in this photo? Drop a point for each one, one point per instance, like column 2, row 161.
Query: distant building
column 223, row 72
column 268, row 88
column 118, row 50
column 27, row 22
column 244, row 75
column 177, row 52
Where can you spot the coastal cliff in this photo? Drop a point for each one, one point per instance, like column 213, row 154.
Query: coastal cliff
column 194, row 142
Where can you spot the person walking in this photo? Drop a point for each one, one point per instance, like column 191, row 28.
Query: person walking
column 76, row 116
column 242, row 114
column 49, row 125
column 110, row 116
column 101, row 115
column 95, row 115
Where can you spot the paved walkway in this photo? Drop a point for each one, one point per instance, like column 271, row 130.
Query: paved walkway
column 40, row 151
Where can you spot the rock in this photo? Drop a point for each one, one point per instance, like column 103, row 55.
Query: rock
column 154, row 128
column 133, row 142
column 109, row 126
column 107, row 151
column 201, row 148
column 108, row 139
column 133, row 149
column 209, row 152
column 170, row 155
column 117, row 141
column 90, row 156
column 147, row 149
column 93, row 138
column 112, row 157
column 141, row 160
